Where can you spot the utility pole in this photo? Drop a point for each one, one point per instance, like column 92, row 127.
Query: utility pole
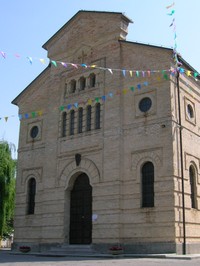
column 181, row 162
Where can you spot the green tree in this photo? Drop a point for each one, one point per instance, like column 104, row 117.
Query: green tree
column 7, row 189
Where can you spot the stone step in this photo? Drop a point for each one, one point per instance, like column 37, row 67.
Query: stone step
column 73, row 249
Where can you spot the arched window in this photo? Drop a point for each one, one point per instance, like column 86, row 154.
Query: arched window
column 82, row 83
column 89, row 118
column 147, row 185
column 192, row 187
column 31, row 196
column 64, row 124
column 73, row 86
column 72, row 117
column 92, row 79
column 80, row 120
column 97, row 116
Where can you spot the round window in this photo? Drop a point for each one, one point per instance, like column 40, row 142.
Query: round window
column 190, row 111
column 34, row 132
column 145, row 104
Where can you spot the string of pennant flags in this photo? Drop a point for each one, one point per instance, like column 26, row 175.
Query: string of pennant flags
column 173, row 25
column 89, row 101
column 125, row 72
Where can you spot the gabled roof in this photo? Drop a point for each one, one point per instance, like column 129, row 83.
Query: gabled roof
column 15, row 101
column 85, row 11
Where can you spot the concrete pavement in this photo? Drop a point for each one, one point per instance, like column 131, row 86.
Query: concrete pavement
column 8, row 258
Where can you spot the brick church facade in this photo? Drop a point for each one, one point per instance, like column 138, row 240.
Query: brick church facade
column 103, row 156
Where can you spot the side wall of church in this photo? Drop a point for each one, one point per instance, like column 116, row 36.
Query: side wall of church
column 189, row 106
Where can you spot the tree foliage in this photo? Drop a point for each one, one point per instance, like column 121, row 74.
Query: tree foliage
column 7, row 189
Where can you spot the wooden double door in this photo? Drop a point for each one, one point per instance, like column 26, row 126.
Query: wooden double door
column 81, row 211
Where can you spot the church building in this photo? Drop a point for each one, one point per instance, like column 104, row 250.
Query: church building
column 109, row 144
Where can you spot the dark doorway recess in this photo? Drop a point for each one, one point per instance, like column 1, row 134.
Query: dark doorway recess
column 81, row 211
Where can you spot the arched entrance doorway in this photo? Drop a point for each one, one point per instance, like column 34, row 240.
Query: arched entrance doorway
column 81, row 211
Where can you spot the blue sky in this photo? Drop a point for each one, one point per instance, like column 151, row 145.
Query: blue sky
column 27, row 25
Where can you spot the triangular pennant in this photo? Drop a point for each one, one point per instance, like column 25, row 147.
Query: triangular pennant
column 54, row 63
column 181, row 70
column 124, row 72
column 125, row 91
column 172, row 22
column 17, row 55
column 132, row 88
column 131, row 73
column 76, row 105
column 110, row 70
column 61, row 108
column 33, row 114
column 165, row 76
column 170, row 5
column 103, row 98
column 6, row 118
column 172, row 12
column 40, row 113
column 3, row 54
column 69, row 106
column 42, row 61
column 90, row 101
column 74, row 65
column 30, row 59
column 64, row 64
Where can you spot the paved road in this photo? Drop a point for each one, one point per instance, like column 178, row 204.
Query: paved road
column 7, row 259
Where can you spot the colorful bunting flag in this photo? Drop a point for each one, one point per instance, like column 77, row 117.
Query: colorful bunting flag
column 172, row 12
column 42, row 61
column 30, row 59
column 170, row 5
column 110, row 70
column 3, row 54
column 64, row 64
column 54, row 63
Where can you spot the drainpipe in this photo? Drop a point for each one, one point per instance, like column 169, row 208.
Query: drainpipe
column 181, row 163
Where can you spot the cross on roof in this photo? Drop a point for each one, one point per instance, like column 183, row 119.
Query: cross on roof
column 82, row 57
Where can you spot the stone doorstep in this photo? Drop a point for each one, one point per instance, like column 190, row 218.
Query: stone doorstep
column 73, row 249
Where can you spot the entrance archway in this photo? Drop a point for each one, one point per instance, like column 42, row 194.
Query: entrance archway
column 81, row 211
